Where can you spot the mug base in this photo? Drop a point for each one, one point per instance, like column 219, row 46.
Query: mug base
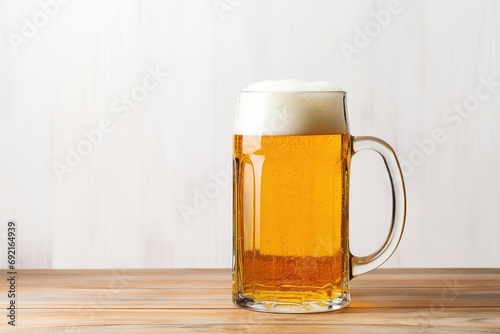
column 288, row 307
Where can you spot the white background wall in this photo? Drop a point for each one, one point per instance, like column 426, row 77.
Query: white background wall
column 120, row 207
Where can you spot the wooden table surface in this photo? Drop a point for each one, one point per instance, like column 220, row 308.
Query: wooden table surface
column 199, row 301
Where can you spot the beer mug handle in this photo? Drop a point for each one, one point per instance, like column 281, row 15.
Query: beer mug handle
column 363, row 264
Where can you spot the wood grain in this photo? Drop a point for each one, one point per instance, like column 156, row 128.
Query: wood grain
column 199, row 300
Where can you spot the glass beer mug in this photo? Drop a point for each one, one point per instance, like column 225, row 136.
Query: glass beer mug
column 292, row 152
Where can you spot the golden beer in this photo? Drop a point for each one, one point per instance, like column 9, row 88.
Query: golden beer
column 290, row 210
column 292, row 152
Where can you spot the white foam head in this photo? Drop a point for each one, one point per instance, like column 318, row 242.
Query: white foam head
column 291, row 107
column 293, row 86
